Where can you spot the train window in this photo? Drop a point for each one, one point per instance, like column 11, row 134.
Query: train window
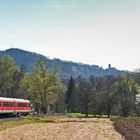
column 8, row 104
column 22, row 105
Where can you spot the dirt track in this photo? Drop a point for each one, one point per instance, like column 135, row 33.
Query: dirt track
column 66, row 129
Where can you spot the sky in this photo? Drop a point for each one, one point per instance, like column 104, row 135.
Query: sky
column 99, row 32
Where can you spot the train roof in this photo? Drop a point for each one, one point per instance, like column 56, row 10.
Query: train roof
column 21, row 100
column 6, row 99
column 13, row 99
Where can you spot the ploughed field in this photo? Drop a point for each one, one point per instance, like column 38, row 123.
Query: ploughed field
column 128, row 127
column 64, row 129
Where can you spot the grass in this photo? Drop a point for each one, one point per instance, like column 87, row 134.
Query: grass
column 75, row 115
column 79, row 115
column 13, row 123
column 125, row 118
column 4, row 124
column 36, row 119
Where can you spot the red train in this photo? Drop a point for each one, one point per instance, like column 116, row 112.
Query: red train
column 13, row 106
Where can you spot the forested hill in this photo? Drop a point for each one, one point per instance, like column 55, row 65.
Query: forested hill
column 26, row 59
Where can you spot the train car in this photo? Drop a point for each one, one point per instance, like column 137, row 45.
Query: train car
column 22, row 106
column 13, row 106
column 6, row 105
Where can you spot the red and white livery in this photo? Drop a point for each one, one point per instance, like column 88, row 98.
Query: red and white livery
column 13, row 106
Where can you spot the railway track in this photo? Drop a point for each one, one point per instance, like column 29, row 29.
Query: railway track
column 11, row 118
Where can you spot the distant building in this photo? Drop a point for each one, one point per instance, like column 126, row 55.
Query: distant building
column 109, row 66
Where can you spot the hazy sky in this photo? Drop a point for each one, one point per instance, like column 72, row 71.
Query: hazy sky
column 88, row 31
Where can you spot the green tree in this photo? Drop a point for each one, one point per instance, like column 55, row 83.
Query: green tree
column 86, row 94
column 7, row 74
column 40, row 84
column 70, row 95
column 17, row 89
column 125, row 96
column 108, row 97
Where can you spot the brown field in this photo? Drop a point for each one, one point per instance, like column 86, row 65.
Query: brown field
column 129, row 128
column 64, row 129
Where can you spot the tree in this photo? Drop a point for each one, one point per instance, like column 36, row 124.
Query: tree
column 104, row 97
column 7, row 74
column 17, row 89
column 57, row 102
column 86, row 96
column 108, row 96
column 70, row 95
column 40, row 84
column 125, row 93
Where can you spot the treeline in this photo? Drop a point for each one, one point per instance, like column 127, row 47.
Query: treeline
column 110, row 95
column 103, row 95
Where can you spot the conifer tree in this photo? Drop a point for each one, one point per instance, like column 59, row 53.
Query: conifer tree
column 70, row 95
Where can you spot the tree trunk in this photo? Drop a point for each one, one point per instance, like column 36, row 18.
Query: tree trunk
column 108, row 111
column 86, row 111
column 44, row 104
column 86, row 115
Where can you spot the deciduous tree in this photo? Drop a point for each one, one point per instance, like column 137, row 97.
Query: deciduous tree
column 41, row 83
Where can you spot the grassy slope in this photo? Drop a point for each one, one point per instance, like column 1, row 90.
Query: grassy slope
column 4, row 124
column 14, row 122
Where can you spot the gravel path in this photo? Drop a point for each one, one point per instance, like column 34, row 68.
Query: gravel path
column 65, row 129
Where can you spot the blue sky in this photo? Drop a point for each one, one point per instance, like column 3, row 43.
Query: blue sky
column 88, row 31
